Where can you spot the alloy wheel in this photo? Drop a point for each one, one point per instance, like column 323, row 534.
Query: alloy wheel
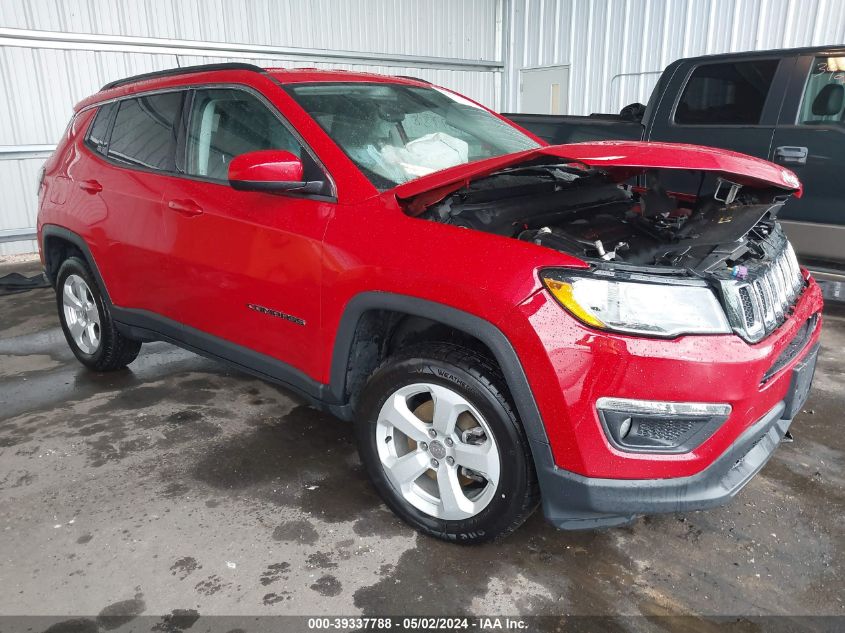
column 438, row 451
column 82, row 316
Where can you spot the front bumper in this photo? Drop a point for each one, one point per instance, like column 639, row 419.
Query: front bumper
column 574, row 367
column 572, row 501
column 588, row 481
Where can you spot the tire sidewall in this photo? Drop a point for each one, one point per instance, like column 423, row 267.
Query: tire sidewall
column 509, row 498
column 75, row 266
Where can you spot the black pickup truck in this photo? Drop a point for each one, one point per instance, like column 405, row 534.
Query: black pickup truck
column 787, row 106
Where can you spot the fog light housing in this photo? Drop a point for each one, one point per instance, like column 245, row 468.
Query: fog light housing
column 650, row 426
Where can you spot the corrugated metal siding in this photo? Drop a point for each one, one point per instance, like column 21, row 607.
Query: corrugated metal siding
column 40, row 81
column 617, row 48
column 443, row 28
column 18, row 182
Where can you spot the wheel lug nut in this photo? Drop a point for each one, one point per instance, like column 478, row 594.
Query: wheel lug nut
column 424, row 446
column 450, row 461
column 432, row 433
column 434, row 463
column 449, row 441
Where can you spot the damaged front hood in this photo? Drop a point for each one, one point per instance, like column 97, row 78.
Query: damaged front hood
column 621, row 160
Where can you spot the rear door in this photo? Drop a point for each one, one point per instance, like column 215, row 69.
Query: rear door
column 810, row 140
column 133, row 161
column 248, row 263
column 731, row 104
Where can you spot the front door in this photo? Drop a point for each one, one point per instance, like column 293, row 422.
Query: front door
column 812, row 144
column 250, row 261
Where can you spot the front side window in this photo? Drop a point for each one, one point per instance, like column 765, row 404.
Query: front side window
column 396, row 133
column 145, row 131
column 726, row 94
column 225, row 123
column 823, row 102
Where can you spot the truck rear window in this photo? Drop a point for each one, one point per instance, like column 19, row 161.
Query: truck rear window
column 726, row 94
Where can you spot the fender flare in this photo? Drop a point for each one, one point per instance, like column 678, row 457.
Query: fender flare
column 52, row 230
column 475, row 326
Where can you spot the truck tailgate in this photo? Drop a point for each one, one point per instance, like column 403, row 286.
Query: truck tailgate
column 558, row 129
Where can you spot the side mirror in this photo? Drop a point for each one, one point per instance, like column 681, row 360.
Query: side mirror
column 270, row 170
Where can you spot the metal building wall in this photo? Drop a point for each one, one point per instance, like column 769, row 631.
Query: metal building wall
column 617, row 48
column 53, row 53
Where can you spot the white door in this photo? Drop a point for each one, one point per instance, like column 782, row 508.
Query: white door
column 544, row 90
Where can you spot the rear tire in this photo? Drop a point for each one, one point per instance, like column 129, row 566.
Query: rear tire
column 86, row 321
column 426, row 416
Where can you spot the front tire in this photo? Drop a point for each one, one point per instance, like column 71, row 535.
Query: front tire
column 86, row 321
column 443, row 447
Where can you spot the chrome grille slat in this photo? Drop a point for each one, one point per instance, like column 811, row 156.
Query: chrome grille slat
column 767, row 301
column 780, row 292
column 760, row 304
column 792, row 260
column 783, row 269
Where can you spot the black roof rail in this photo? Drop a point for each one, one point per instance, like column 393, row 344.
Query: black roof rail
column 185, row 70
column 424, row 81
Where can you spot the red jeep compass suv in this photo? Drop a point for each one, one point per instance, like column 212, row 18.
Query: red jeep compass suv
column 505, row 322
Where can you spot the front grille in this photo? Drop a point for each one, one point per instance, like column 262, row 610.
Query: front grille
column 759, row 304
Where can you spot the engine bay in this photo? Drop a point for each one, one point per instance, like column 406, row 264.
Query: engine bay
column 711, row 226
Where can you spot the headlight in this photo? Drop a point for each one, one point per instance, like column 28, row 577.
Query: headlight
column 638, row 304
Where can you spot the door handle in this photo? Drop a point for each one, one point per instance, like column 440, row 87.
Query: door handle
column 91, row 186
column 185, row 207
column 791, row 154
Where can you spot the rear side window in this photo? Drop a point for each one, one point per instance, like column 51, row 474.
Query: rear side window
column 98, row 132
column 726, row 94
column 824, row 95
column 145, row 131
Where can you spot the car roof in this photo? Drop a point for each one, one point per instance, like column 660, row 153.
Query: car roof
column 226, row 72
column 314, row 75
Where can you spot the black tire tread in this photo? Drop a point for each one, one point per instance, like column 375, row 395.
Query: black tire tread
column 487, row 372
column 118, row 351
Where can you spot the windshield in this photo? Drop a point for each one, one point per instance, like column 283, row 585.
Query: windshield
column 396, row 133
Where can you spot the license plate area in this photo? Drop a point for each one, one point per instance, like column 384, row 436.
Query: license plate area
column 799, row 387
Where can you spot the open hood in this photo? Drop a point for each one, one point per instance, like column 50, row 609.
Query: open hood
column 621, row 160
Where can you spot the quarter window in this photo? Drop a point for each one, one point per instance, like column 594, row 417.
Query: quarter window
column 97, row 134
column 145, row 131
column 726, row 94
column 824, row 95
column 225, row 123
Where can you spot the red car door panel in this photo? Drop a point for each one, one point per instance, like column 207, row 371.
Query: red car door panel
column 127, row 186
column 249, row 268
column 248, row 264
